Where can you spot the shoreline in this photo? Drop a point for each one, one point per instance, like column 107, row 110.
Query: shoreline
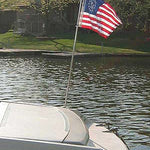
column 65, row 54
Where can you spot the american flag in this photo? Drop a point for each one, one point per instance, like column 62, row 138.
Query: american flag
column 99, row 16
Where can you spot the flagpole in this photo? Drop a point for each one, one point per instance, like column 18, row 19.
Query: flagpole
column 74, row 47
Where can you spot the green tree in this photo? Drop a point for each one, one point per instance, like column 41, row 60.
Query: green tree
column 43, row 7
column 48, row 7
column 134, row 14
column 12, row 4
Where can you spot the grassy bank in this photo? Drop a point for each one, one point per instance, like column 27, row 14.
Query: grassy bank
column 85, row 43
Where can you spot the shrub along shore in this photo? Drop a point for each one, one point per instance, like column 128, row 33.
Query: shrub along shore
column 127, row 43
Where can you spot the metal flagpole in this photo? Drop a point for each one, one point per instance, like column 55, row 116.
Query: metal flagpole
column 74, row 46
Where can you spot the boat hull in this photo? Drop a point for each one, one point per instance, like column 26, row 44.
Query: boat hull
column 26, row 126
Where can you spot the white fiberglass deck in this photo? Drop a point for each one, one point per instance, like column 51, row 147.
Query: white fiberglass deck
column 24, row 127
column 39, row 123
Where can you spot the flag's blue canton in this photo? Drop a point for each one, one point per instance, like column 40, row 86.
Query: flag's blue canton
column 91, row 6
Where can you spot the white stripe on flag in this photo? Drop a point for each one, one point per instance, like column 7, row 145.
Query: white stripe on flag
column 96, row 28
column 103, row 14
column 99, row 19
column 114, row 13
column 101, row 8
column 100, row 25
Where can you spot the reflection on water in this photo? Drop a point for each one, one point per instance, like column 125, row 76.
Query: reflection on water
column 115, row 90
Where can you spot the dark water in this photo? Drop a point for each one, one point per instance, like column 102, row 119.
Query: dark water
column 115, row 90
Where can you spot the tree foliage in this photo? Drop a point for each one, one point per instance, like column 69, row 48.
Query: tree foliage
column 48, row 7
column 135, row 14
column 45, row 4
column 12, row 4
column 43, row 7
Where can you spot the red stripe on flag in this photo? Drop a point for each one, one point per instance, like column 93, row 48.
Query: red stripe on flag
column 106, row 19
column 100, row 22
column 114, row 12
column 97, row 26
column 106, row 5
column 106, row 13
column 87, row 27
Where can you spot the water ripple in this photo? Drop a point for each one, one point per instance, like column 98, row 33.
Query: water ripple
column 115, row 90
